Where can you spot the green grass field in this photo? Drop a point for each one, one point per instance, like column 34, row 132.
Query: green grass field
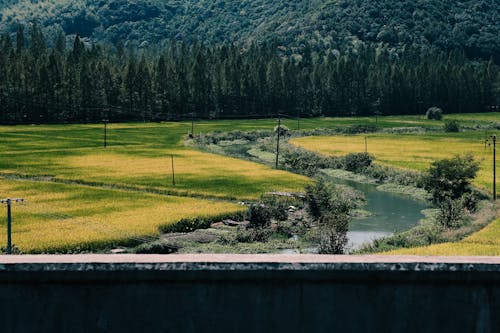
column 116, row 205
column 81, row 196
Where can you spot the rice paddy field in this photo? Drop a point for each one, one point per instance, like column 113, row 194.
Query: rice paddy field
column 417, row 152
column 83, row 197
column 410, row 151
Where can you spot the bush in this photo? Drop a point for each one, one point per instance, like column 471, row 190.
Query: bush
column 450, row 178
column 434, row 113
column 333, row 233
column 259, row 215
column 470, row 202
column 317, row 199
column 357, row 161
column 451, row 126
column 450, row 213
column 188, row 225
column 358, row 129
column 278, row 206
column 156, row 248
column 258, row 234
column 306, row 162
column 284, row 131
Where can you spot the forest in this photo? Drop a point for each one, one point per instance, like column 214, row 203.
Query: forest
column 82, row 83
column 468, row 25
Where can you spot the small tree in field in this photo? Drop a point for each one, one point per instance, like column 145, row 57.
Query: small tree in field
column 451, row 178
column 330, row 208
column 434, row 113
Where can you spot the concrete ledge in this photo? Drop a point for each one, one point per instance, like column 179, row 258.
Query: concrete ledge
column 249, row 293
column 289, row 258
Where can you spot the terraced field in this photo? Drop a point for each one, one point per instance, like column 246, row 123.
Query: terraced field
column 81, row 196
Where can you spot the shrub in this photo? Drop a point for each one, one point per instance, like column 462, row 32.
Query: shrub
column 359, row 129
column 258, row 234
column 284, row 131
column 450, row 213
column 317, row 199
column 333, row 233
column 450, row 178
column 451, row 126
column 470, row 201
column 188, row 225
column 278, row 207
column 357, row 161
column 259, row 215
column 156, row 248
column 306, row 162
column 434, row 113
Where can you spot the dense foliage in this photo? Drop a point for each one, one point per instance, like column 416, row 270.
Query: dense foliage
column 81, row 83
column 451, row 177
column 468, row 25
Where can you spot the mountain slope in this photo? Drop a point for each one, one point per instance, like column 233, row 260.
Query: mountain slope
column 470, row 25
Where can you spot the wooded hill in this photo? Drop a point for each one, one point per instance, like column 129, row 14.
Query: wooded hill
column 469, row 25
column 84, row 60
column 86, row 84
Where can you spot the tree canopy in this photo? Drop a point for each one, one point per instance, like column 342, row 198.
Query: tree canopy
column 44, row 80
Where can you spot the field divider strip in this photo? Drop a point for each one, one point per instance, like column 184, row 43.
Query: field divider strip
column 53, row 179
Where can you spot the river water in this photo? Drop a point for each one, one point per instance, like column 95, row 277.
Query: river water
column 390, row 213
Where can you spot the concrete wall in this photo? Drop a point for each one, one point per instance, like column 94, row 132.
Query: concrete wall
column 124, row 293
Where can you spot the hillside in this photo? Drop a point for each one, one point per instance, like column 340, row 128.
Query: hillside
column 470, row 25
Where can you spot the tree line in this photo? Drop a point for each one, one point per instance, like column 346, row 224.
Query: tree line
column 86, row 83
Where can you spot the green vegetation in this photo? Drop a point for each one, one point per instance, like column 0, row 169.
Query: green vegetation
column 180, row 80
column 138, row 157
column 74, row 218
column 482, row 243
column 448, row 179
column 434, row 113
column 79, row 195
column 467, row 25
column 410, row 151
column 330, row 207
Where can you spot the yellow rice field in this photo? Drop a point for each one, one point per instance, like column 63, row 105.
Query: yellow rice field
column 59, row 217
column 483, row 243
column 408, row 151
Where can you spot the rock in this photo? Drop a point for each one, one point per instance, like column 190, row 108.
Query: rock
column 232, row 223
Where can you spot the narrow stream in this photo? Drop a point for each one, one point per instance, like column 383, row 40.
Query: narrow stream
column 390, row 213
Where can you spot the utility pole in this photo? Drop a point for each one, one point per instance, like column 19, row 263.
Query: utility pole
column 494, row 137
column 298, row 119
column 173, row 173
column 278, row 141
column 494, row 144
column 9, row 202
column 192, row 125
column 105, row 121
